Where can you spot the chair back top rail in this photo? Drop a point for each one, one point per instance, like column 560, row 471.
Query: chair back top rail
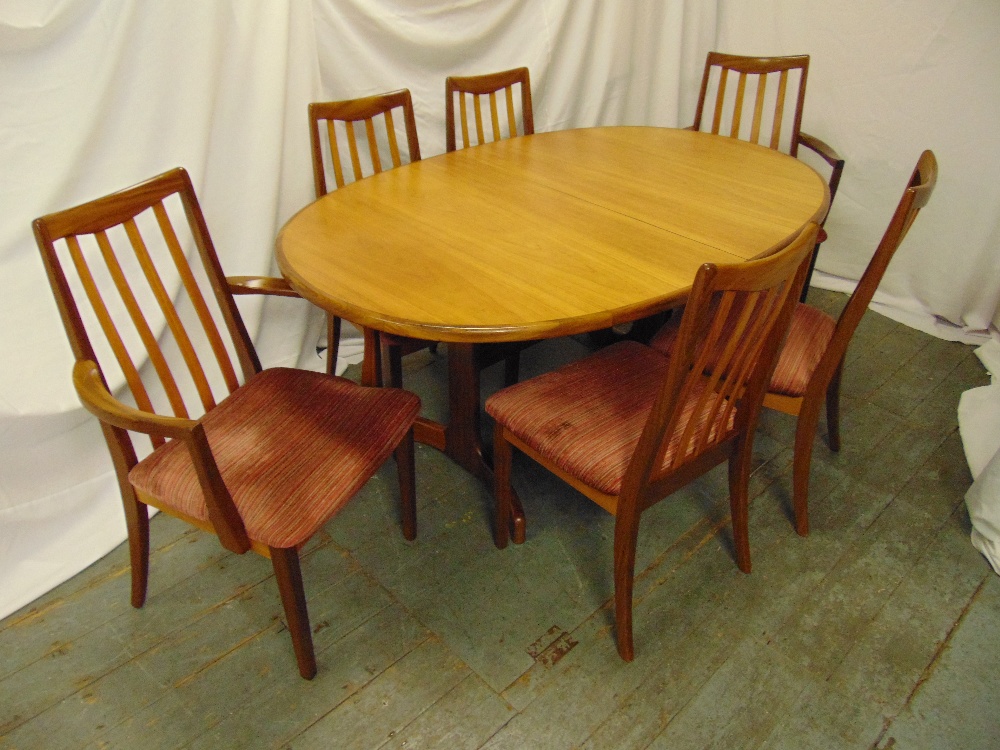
column 766, row 112
column 344, row 116
column 475, row 88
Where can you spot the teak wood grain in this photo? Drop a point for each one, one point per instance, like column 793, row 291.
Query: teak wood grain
column 545, row 235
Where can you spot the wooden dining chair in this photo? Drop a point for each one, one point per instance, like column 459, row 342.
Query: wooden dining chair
column 627, row 426
column 764, row 106
column 811, row 362
column 261, row 458
column 335, row 134
column 472, row 90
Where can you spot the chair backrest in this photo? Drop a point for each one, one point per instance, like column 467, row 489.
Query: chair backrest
column 734, row 322
column 133, row 302
column 343, row 116
column 474, row 88
column 764, row 105
column 916, row 195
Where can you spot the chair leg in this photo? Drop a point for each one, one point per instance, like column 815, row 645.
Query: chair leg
column 407, row 485
column 395, row 366
column 371, row 366
column 293, row 599
column 511, row 368
column 809, row 273
column 137, row 521
column 833, row 408
column 332, row 343
column 626, row 537
column 502, row 458
column 805, row 433
column 739, row 501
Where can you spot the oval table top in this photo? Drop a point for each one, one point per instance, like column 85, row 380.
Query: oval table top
column 544, row 235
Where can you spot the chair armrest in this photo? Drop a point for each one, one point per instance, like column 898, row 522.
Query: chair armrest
column 222, row 512
column 274, row 286
column 822, row 148
column 831, row 157
column 99, row 401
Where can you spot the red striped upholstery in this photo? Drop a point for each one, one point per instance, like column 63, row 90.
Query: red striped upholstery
column 587, row 417
column 292, row 447
column 808, row 338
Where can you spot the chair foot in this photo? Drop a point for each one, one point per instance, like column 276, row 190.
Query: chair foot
column 626, row 538
column 739, row 504
column 293, row 598
column 137, row 521
column 805, row 432
column 502, row 458
column 407, row 486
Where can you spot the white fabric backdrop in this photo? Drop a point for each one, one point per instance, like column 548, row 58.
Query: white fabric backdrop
column 887, row 80
column 96, row 95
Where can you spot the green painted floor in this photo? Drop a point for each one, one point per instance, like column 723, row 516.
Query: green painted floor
column 879, row 630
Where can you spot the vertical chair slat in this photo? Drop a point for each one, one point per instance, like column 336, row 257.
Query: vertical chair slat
column 390, row 129
column 197, row 298
column 465, row 119
column 779, row 109
column 142, row 327
column 477, row 101
column 494, row 116
column 511, row 118
column 338, row 167
column 170, row 315
column 719, row 101
column 737, row 362
column 701, row 364
column 758, row 109
column 738, row 109
column 372, row 146
column 352, row 144
column 717, row 381
column 107, row 324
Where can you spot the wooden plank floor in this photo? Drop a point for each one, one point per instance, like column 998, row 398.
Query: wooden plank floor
column 876, row 631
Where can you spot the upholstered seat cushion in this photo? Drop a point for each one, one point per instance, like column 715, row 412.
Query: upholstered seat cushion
column 292, row 447
column 587, row 416
column 808, row 338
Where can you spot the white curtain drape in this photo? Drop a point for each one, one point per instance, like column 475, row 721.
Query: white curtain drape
column 887, row 80
column 97, row 95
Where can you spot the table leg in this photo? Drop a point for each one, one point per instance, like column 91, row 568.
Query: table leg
column 461, row 439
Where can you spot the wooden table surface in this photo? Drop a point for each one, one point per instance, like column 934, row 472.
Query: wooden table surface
column 544, row 235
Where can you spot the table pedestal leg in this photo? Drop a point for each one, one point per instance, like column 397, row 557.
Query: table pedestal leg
column 461, row 439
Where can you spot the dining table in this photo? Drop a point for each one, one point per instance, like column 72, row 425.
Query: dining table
column 539, row 236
